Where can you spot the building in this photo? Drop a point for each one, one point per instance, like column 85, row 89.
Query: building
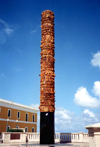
column 14, row 115
column 94, row 135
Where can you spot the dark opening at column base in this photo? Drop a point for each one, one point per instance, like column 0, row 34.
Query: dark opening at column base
column 47, row 128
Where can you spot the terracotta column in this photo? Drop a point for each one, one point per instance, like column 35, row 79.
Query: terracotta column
column 47, row 76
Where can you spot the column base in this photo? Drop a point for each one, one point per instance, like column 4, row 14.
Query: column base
column 47, row 128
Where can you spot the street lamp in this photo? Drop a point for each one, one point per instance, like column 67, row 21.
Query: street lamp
column 7, row 123
column 16, row 122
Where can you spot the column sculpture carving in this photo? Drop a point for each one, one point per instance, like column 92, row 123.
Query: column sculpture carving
column 47, row 78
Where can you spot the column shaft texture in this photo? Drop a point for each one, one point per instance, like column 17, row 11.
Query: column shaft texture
column 47, row 75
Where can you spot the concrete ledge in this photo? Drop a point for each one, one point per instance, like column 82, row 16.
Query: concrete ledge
column 13, row 137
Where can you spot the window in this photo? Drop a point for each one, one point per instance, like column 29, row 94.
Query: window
column 7, row 128
column 32, row 129
column 9, row 113
column 33, row 118
column 18, row 114
column 26, row 129
column 26, row 116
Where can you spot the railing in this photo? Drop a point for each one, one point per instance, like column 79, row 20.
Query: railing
column 33, row 136
column 73, row 137
column 61, row 137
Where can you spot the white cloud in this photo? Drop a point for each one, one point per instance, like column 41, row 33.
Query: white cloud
column 62, row 116
column 62, row 119
column 73, row 123
column 8, row 31
column 83, row 98
column 5, row 31
column 33, row 31
column 89, row 116
column 35, row 105
column 90, row 113
column 4, row 23
column 96, row 88
column 2, row 37
column 96, row 60
column 66, row 121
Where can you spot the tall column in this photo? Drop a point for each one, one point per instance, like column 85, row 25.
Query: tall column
column 47, row 76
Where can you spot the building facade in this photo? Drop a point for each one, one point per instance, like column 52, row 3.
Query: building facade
column 14, row 115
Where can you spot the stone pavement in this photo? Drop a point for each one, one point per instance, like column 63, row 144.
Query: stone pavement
column 38, row 145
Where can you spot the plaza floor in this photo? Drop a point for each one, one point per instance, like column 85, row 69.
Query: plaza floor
column 52, row 145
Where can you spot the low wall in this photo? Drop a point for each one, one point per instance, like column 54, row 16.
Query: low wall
column 13, row 137
column 97, row 139
column 61, row 137
column 71, row 137
column 94, row 135
column 33, row 137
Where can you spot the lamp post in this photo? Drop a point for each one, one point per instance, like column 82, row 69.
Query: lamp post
column 16, row 122
column 7, row 123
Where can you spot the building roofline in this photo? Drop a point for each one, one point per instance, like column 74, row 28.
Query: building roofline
column 11, row 103
column 97, row 125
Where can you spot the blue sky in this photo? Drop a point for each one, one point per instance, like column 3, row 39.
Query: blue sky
column 77, row 54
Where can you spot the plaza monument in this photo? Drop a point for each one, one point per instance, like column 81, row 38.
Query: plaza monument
column 47, row 79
